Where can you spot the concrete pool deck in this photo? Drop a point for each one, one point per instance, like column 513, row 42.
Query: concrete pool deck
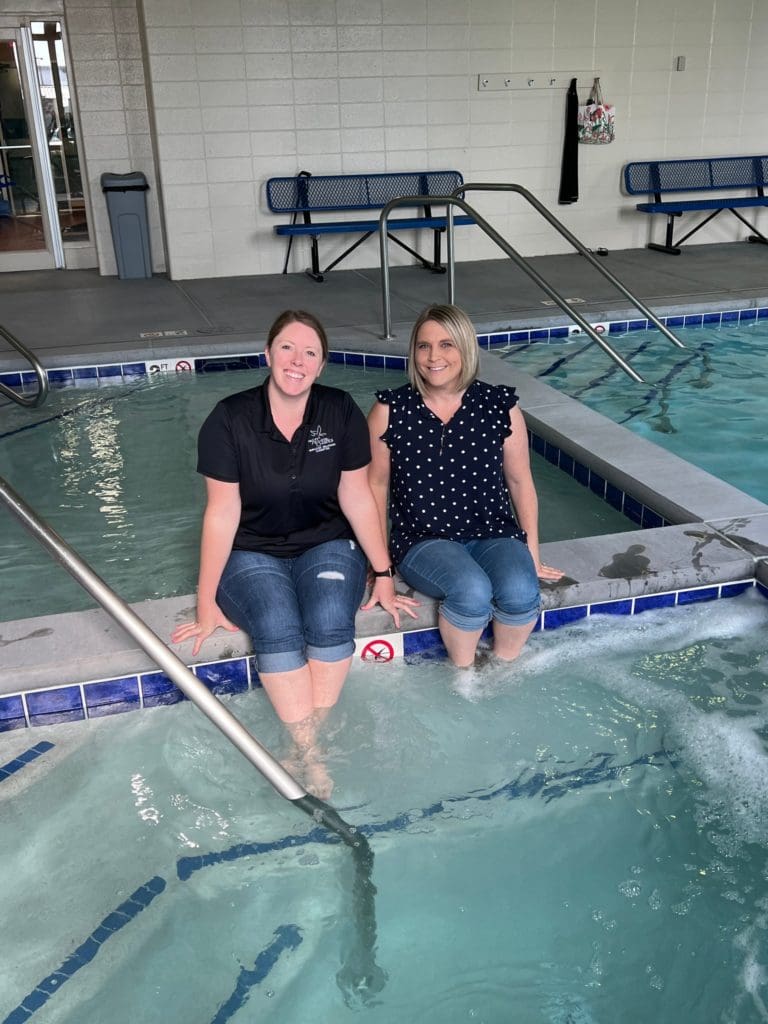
column 715, row 537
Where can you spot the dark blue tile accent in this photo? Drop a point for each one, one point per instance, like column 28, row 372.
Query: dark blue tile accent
column 611, row 608
column 224, row 676
column 556, row 617
column 761, row 588
column 85, row 372
column 336, row 357
column 57, row 376
column 220, row 365
column 86, row 951
column 112, row 697
column 395, row 363
column 558, row 332
column 695, row 596
column 253, row 361
column 762, row 313
column 254, row 672
column 581, row 473
column 374, row 362
column 747, row 314
column 650, row 519
column 424, row 643
column 645, row 604
column 538, row 444
column 11, row 380
column 159, row 690
column 734, row 589
column 540, row 335
column 354, row 359
column 287, row 937
column 499, row 338
column 693, row 319
column 617, row 327
column 484, row 341
column 711, row 318
column 552, row 453
column 48, row 707
column 517, row 336
column 614, row 496
column 597, row 483
column 109, row 371
column 12, row 714
column 633, row 509
column 134, row 369
column 28, row 377
column 675, row 321
column 567, row 463
column 730, row 316
column 24, row 759
column 637, row 325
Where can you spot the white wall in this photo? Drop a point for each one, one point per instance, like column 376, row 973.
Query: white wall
column 240, row 90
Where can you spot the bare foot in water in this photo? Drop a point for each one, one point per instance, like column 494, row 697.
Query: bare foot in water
column 317, row 780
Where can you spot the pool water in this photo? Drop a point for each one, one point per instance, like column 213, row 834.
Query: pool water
column 578, row 839
column 112, row 470
column 707, row 403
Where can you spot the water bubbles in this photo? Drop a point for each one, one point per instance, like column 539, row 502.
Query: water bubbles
column 655, row 901
column 631, row 889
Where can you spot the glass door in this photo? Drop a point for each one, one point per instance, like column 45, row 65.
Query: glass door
column 41, row 193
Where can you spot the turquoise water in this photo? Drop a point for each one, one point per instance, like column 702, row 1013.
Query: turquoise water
column 707, row 403
column 578, row 840
column 113, row 471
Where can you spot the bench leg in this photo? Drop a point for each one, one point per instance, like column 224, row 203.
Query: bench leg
column 668, row 246
column 436, row 268
column 756, row 237
column 314, row 271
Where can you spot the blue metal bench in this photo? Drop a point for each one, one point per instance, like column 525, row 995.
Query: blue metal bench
column 308, row 194
column 658, row 177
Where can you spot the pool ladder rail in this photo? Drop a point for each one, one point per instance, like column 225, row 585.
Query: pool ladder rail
column 30, row 401
column 456, row 199
column 360, row 976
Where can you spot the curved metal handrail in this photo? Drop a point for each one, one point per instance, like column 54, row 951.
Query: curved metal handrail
column 563, row 230
column 454, row 200
column 30, row 401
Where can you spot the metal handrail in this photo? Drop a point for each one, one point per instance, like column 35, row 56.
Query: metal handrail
column 453, row 200
column 30, row 401
column 570, row 237
column 360, row 974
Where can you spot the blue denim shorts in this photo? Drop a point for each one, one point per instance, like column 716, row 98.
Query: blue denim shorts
column 296, row 608
column 476, row 580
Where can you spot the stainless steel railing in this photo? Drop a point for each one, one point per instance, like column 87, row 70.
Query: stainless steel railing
column 30, row 401
column 455, row 200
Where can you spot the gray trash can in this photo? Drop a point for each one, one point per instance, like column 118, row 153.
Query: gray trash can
column 127, row 207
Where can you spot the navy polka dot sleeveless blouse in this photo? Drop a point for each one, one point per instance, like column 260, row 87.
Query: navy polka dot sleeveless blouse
column 447, row 480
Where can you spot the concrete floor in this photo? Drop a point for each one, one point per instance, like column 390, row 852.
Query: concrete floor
column 74, row 317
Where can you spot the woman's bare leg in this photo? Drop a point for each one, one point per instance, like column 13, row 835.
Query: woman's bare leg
column 461, row 644
column 508, row 641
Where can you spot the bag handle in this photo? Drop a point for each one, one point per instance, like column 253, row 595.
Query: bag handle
column 596, row 93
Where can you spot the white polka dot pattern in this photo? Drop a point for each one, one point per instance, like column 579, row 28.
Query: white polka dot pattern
column 447, row 480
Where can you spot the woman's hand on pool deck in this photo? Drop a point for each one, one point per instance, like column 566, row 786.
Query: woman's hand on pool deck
column 383, row 593
column 206, row 623
column 547, row 572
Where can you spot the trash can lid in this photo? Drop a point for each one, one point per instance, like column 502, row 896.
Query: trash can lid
column 129, row 182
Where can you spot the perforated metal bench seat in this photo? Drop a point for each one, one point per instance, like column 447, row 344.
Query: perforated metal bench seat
column 306, row 195
column 659, row 177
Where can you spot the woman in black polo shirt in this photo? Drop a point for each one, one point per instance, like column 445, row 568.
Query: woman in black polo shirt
column 289, row 508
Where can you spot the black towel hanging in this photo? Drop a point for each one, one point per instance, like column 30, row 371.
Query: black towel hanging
column 569, row 174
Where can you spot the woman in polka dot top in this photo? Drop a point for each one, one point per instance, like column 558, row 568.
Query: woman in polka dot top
column 452, row 452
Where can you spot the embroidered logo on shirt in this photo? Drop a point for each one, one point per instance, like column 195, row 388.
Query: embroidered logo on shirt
column 318, row 441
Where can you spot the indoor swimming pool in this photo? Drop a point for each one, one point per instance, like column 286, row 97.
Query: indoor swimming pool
column 706, row 403
column 112, row 469
column 580, row 839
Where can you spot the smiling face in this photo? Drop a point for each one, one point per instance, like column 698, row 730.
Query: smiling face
column 295, row 357
column 438, row 360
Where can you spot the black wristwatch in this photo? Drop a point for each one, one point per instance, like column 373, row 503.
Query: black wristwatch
column 387, row 572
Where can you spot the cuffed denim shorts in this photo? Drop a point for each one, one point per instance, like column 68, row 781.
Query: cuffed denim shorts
column 296, row 608
column 476, row 580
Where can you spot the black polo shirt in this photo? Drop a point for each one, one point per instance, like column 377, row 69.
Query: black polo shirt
column 288, row 489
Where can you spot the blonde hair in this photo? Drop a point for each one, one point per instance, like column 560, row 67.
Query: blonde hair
column 461, row 332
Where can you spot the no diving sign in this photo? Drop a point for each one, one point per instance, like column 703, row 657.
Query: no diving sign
column 378, row 650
